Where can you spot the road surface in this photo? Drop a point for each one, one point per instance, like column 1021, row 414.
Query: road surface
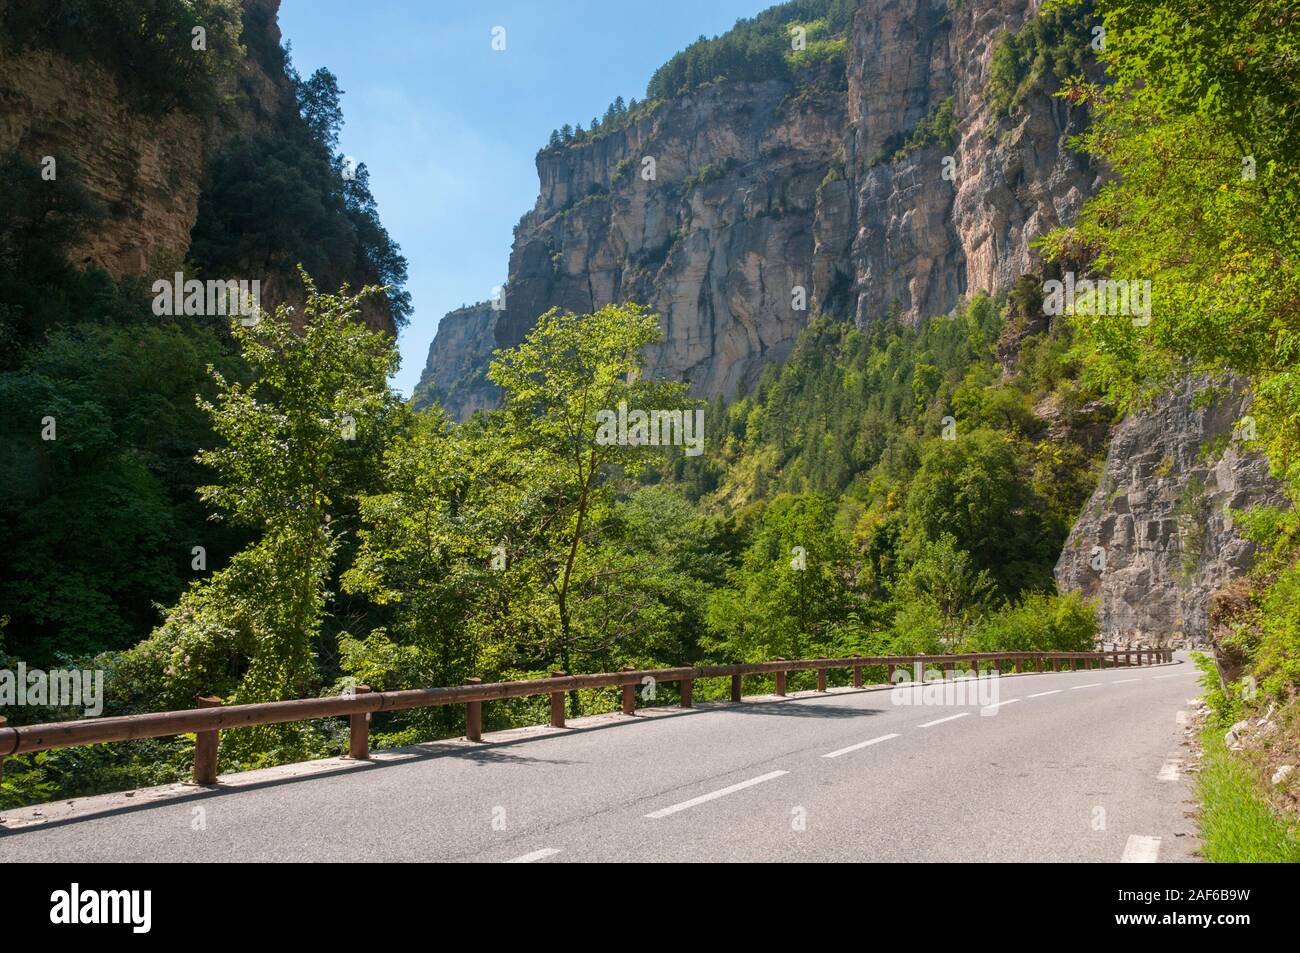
column 1071, row 766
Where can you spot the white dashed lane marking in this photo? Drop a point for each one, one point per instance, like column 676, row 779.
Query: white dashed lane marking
column 1054, row 691
column 940, row 721
column 714, row 795
column 859, row 745
column 1141, row 849
column 535, row 856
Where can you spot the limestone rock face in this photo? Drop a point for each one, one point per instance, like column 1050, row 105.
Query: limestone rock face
column 455, row 373
column 764, row 193
column 145, row 170
column 1161, row 515
column 717, row 242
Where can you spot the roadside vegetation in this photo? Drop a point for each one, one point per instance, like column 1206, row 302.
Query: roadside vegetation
column 1199, row 122
column 887, row 489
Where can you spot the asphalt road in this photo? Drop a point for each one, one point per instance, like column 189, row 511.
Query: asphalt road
column 1081, row 766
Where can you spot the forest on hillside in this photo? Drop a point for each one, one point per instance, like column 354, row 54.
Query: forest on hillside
column 887, row 489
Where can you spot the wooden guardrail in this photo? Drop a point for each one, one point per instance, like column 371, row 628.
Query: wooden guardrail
column 211, row 717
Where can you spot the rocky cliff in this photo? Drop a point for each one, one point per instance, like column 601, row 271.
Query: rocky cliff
column 1157, row 538
column 772, row 201
column 898, row 185
column 455, row 374
column 146, row 169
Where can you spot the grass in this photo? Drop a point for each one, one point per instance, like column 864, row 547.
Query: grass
column 1237, row 825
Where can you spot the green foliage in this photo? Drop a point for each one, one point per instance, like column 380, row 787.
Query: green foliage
column 793, row 584
column 147, row 44
column 293, row 441
column 1199, row 125
column 1050, row 47
column 116, row 483
column 1039, row 622
column 1236, row 822
column 38, row 287
column 973, row 490
column 939, row 127
column 710, row 172
column 282, row 200
column 758, row 48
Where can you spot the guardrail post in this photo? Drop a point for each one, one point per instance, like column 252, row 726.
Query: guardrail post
column 474, row 715
column 1038, row 663
column 857, row 674
column 1056, row 663
column 687, row 686
column 947, row 669
column 629, row 694
column 205, row 746
column 889, row 673
column 3, row 721
column 359, row 730
column 735, row 688
column 557, row 704
column 821, row 677
column 780, row 679
column 1128, row 658
column 1018, row 668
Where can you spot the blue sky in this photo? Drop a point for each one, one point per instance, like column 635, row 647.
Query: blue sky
column 449, row 128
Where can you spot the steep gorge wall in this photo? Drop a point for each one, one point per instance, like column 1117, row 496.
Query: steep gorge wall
column 810, row 188
column 764, row 187
column 146, row 169
column 1158, row 536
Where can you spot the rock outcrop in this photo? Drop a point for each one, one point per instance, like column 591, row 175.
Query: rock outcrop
column 455, row 374
column 829, row 186
column 1157, row 538
column 771, row 195
column 144, row 170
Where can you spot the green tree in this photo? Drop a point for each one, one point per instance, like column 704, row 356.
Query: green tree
column 569, row 369
column 972, row 489
column 795, row 581
column 293, row 441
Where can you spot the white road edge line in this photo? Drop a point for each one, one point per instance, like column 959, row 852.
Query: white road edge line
column 1174, row 675
column 714, row 795
column 1054, row 691
column 1075, row 688
column 1141, row 849
column 860, row 744
column 535, row 856
column 1125, row 681
column 931, row 724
